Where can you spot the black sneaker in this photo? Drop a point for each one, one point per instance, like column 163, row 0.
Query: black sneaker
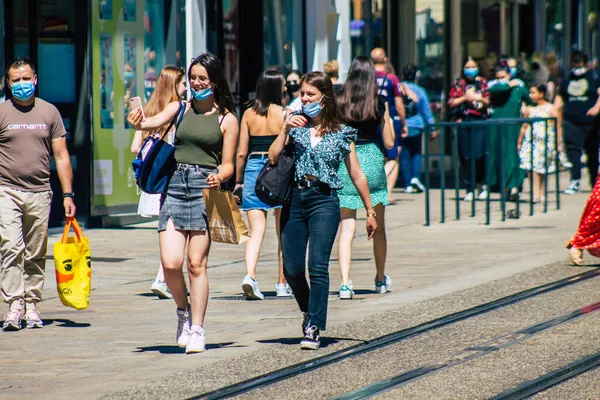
column 305, row 322
column 311, row 340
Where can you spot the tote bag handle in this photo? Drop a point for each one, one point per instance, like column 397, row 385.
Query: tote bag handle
column 71, row 221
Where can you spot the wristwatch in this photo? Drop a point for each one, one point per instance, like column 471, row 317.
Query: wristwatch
column 371, row 214
column 71, row 195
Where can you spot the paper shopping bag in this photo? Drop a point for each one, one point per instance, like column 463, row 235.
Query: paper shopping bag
column 225, row 222
column 73, row 265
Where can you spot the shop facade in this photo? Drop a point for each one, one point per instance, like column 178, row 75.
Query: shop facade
column 92, row 56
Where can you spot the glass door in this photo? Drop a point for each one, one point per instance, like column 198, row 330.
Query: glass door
column 52, row 34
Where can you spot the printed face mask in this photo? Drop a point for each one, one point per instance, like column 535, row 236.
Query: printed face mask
column 202, row 94
column 471, row 72
column 23, row 90
column 313, row 109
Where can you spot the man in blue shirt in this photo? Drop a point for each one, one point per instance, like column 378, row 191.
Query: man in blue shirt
column 418, row 119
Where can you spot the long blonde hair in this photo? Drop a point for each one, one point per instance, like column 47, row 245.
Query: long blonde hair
column 164, row 93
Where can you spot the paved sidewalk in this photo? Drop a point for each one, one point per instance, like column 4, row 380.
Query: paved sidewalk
column 126, row 337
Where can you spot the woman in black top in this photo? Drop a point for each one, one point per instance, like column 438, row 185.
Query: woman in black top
column 362, row 108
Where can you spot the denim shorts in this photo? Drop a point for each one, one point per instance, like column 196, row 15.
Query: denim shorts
column 254, row 165
column 183, row 202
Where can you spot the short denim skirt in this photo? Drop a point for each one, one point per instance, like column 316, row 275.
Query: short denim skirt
column 254, row 165
column 183, row 202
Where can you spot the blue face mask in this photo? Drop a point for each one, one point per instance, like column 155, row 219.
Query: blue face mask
column 202, row 94
column 471, row 72
column 311, row 110
column 23, row 90
column 128, row 76
column 513, row 72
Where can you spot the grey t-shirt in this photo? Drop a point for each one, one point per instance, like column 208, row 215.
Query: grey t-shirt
column 26, row 134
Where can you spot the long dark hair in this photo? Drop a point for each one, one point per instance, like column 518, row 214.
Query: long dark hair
column 358, row 100
column 269, row 90
column 215, row 73
column 330, row 117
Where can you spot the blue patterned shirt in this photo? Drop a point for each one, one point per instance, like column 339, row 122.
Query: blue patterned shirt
column 322, row 161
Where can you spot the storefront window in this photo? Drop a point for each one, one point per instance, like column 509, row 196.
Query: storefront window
column 592, row 21
column 56, row 51
column 231, row 38
column 430, row 49
column 554, row 27
column 282, row 34
column 366, row 26
column 21, row 28
column 2, row 49
column 164, row 39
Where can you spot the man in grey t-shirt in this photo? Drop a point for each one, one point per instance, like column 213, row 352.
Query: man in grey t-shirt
column 29, row 129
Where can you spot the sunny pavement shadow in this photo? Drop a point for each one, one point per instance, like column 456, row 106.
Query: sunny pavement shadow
column 66, row 323
column 325, row 341
column 171, row 349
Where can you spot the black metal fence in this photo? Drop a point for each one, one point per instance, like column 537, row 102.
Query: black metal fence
column 448, row 136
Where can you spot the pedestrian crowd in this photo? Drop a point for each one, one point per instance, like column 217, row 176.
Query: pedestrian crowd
column 351, row 140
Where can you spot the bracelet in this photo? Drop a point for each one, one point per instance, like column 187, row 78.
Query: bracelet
column 70, row 195
column 371, row 214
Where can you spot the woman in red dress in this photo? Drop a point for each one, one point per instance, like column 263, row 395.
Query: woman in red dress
column 588, row 233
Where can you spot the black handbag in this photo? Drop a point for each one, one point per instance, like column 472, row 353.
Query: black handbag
column 153, row 167
column 274, row 182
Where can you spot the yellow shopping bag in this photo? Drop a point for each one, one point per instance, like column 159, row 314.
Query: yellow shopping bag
column 73, row 265
column 225, row 222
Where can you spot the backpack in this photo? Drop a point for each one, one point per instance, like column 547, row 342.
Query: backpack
column 155, row 161
column 410, row 106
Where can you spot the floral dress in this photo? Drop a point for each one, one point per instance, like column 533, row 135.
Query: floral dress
column 542, row 144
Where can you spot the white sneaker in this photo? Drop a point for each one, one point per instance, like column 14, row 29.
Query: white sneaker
column 197, row 342
column 346, row 292
column 383, row 286
column 573, row 187
column 183, row 327
column 251, row 290
column 483, row 195
column 160, row 289
column 12, row 320
column 416, row 182
column 409, row 189
column 469, row 197
column 32, row 318
column 283, row 290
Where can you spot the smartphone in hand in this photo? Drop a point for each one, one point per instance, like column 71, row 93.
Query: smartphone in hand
column 238, row 195
column 135, row 103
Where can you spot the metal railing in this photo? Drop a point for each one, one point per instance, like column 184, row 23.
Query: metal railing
column 452, row 128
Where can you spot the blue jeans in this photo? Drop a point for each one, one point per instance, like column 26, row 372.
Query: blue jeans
column 312, row 215
column 410, row 156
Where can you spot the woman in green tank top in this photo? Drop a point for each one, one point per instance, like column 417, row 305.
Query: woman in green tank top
column 206, row 139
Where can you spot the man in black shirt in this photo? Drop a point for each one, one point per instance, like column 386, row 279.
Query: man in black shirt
column 580, row 102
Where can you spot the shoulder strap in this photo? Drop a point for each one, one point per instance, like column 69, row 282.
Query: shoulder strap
column 223, row 117
column 383, row 83
column 175, row 118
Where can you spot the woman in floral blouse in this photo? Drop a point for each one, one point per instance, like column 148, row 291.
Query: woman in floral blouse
column 469, row 100
column 321, row 144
